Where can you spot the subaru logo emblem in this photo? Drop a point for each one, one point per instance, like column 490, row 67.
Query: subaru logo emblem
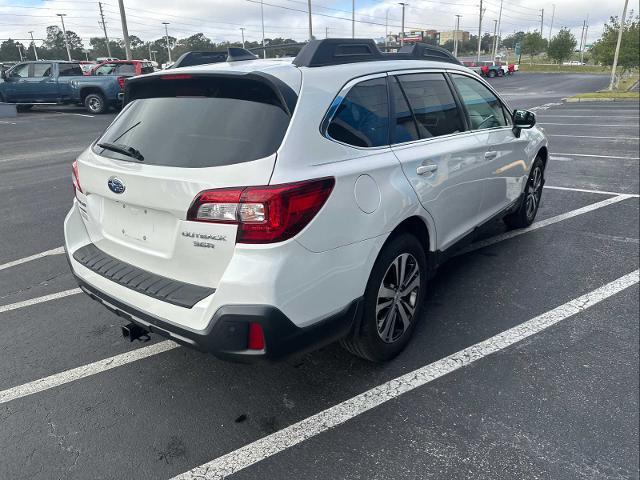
column 116, row 185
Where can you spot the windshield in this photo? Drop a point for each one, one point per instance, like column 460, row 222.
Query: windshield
column 193, row 125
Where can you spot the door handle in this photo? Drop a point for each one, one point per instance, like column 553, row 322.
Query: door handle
column 429, row 168
column 490, row 155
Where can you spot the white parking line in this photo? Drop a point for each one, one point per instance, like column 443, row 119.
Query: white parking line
column 316, row 424
column 591, row 136
column 547, row 115
column 34, row 301
column 55, row 251
column 543, row 223
column 589, row 124
column 470, row 248
column 84, row 371
column 594, row 156
column 584, row 190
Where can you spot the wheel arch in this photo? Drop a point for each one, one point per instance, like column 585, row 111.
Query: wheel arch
column 420, row 228
column 543, row 153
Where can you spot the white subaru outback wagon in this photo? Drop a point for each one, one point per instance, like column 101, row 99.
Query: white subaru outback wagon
column 259, row 208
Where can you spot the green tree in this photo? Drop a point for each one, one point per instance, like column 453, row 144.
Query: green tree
column 562, row 45
column 511, row 40
column 9, row 50
column 604, row 48
column 533, row 44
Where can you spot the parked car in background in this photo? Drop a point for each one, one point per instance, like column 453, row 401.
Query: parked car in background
column 126, row 68
column 58, row 82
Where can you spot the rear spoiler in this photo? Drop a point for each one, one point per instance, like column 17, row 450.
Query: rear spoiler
column 233, row 54
column 151, row 86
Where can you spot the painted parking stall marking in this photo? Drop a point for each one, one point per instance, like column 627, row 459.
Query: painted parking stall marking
column 310, row 427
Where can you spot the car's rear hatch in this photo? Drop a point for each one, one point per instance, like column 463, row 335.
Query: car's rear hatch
column 192, row 133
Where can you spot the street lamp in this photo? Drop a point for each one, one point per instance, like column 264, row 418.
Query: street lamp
column 64, row 31
column 166, row 37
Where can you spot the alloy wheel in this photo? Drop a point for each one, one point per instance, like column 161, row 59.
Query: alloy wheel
column 534, row 192
column 397, row 297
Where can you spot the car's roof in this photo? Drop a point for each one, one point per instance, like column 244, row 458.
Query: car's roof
column 285, row 70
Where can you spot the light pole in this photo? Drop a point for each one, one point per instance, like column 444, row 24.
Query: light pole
column 495, row 32
column 455, row 36
column 386, row 29
column 402, row 32
column 353, row 18
column 64, row 31
column 33, row 43
column 125, row 31
column 495, row 52
column 242, row 30
column 553, row 16
column 310, row 22
column 615, row 57
column 480, row 31
column 264, row 50
column 153, row 54
column 20, row 52
column 166, row 38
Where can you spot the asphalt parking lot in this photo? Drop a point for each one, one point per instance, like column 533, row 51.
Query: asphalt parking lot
column 525, row 365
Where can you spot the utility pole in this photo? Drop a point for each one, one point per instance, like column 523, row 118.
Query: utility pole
column 553, row 15
column 386, row 29
column 326, row 32
column 584, row 42
column 615, row 57
column 310, row 22
column 495, row 33
column 104, row 28
column 166, row 38
column 584, row 24
column 64, row 31
column 20, row 52
column 353, row 18
column 242, row 30
column 402, row 32
column 455, row 36
column 125, row 32
column 495, row 52
column 480, row 31
column 33, row 43
column 541, row 20
column 264, row 50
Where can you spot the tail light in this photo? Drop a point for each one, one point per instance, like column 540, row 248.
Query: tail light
column 75, row 178
column 121, row 82
column 268, row 214
column 256, row 337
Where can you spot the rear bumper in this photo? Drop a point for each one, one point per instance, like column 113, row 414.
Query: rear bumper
column 227, row 333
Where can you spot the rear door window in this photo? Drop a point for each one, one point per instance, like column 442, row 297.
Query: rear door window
column 484, row 108
column 21, row 71
column 106, row 69
column 70, row 70
column 432, row 103
column 404, row 126
column 362, row 119
column 41, row 70
column 125, row 69
column 199, row 122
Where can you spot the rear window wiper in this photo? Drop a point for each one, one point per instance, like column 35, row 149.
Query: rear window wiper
column 122, row 149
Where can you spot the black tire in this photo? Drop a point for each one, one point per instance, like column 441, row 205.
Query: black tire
column 23, row 108
column 530, row 202
column 501, row 73
column 492, row 73
column 95, row 103
column 366, row 340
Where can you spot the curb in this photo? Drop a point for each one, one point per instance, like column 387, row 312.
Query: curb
column 602, row 99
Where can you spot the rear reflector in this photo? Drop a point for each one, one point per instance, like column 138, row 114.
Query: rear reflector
column 75, row 178
column 268, row 214
column 256, row 337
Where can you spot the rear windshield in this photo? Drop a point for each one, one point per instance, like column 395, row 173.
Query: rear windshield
column 200, row 122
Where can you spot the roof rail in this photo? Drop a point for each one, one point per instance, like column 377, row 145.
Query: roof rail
column 233, row 54
column 339, row 51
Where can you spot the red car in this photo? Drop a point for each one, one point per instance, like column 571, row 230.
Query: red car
column 127, row 68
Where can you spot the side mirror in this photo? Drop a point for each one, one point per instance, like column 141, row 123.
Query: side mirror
column 522, row 119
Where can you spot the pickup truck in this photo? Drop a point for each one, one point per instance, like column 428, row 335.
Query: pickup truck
column 58, row 82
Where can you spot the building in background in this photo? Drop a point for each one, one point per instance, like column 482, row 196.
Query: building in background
column 463, row 36
column 415, row 36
